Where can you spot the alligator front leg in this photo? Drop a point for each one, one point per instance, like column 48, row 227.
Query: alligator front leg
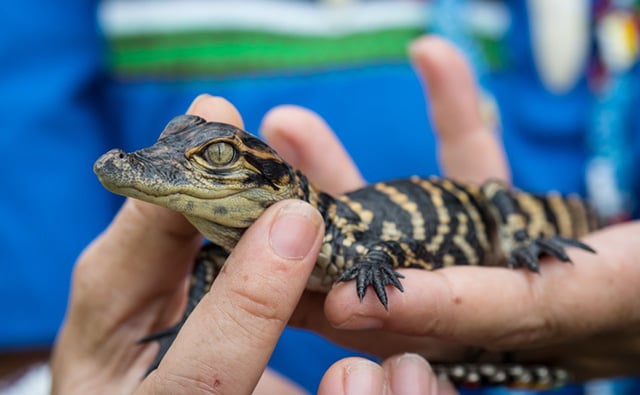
column 206, row 267
column 376, row 267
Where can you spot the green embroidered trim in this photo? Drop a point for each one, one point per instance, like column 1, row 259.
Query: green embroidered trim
column 221, row 53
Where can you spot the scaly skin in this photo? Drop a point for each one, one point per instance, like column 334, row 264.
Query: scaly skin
column 222, row 178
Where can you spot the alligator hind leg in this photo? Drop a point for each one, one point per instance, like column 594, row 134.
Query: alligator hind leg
column 522, row 249
column 206, row 267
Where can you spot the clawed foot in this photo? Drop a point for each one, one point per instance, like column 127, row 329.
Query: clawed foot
column 527, row 254
column 374, row 270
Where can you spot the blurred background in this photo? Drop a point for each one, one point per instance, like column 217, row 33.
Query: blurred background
column 559, row 79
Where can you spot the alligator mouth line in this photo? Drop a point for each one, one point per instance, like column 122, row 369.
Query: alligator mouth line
column 142, row 193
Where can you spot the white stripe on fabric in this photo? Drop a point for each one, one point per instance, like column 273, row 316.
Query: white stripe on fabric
column 123, row 17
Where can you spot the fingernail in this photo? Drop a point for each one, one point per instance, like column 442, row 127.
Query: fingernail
column 201, row 97
column 295, row 230
column 364, row 377
column 411, row 374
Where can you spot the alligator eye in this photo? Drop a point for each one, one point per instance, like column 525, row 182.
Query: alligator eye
column 220, row 154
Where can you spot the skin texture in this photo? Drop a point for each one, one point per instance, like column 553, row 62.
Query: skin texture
column 583, row 316
column 132, row 280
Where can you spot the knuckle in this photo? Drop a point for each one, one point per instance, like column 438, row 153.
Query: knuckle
column 260, row 303
column 90, row 300
column 84, row 281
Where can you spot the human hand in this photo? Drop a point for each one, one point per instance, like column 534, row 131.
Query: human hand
column 131, row 282
column 583, row 316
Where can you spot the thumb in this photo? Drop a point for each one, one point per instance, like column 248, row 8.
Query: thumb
column 226, row 343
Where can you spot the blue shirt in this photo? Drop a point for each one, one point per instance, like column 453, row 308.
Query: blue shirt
column 61, row 109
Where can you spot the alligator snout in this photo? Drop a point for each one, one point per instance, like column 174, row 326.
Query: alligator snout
column 109, row 162
column 112, row 167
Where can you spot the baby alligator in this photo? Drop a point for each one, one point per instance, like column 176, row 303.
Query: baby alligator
column 222, row 178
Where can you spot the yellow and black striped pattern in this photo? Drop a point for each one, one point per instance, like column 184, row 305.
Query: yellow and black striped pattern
column 439, row 223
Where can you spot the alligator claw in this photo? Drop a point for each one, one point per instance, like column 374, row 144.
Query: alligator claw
column 376, row 271
column 550, row 247
column 527, row 255
column 573, row 243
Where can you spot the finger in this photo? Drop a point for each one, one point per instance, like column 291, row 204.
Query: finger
column 271, row 382
column 307, row 142
column 225, row 344
column 468, row 149
column 215, row 108
column 486, row 306
column 353, row 376
column 381, row 343
column 411, row 374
